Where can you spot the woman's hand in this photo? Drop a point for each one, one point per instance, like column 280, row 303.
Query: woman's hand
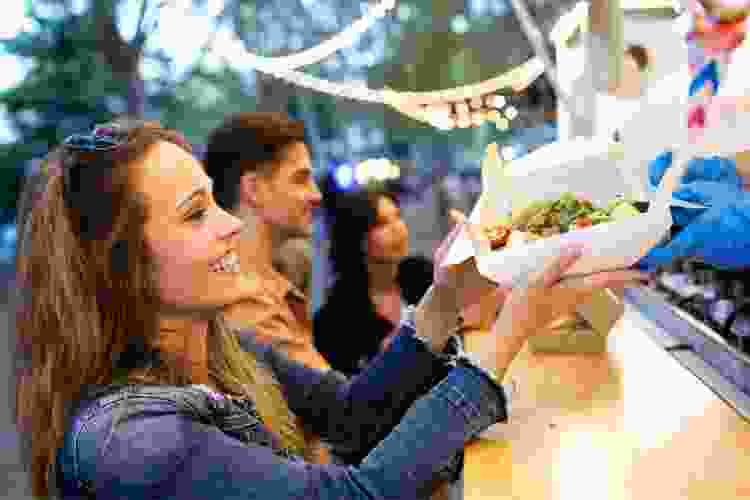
column 528, row 311
column 549, row 296
column 455, row 288
column 462, row 285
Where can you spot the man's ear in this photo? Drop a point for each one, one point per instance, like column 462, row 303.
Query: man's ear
column 251, row 189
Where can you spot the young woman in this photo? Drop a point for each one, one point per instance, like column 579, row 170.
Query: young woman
column 134, row 389
column 369, row 241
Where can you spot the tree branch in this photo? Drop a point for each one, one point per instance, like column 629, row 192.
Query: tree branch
column 139, row 39
column 121, row 56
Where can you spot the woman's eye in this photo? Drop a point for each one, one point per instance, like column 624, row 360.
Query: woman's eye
column 198, row 215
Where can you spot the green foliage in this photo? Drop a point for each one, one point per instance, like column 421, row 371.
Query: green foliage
column 71, row 86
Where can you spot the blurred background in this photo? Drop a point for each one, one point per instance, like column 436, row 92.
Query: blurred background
column 67, row 64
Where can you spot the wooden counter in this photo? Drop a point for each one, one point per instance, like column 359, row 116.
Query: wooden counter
column 629, row 424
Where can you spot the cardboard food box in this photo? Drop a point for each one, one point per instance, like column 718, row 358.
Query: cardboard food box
column 586, row 332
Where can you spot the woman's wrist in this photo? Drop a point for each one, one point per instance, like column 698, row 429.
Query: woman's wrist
column 495, row 351
column 436, row 318
column 507, row 348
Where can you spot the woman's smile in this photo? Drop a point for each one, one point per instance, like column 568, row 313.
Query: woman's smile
column 229, row 263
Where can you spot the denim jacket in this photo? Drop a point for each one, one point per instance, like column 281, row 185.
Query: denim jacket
column 167, row 446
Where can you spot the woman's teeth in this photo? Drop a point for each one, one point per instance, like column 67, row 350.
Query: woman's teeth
column 229, row 264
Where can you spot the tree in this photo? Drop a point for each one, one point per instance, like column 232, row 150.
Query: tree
column 84, row 71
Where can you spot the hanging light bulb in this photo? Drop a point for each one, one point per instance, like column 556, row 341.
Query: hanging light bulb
column 443, row 122
column 511, row 112
column 363, row 172
column 502, row 124
column 463, row 121
column 439, row 112
column 495, row 101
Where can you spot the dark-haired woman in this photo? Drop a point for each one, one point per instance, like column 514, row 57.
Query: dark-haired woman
column 132, row 388
column 368, row 241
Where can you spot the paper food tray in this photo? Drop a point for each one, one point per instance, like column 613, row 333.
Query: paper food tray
column 582, row 166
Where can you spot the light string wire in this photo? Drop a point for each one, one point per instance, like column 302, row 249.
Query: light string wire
column 407, row 103
column 344, row 39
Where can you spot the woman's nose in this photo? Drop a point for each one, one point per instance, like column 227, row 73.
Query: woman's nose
column 232, row 226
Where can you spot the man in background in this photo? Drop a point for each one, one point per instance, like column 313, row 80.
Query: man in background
column 262, row 173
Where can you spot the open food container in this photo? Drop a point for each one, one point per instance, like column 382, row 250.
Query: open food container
column 596, row 171
column 590, row 168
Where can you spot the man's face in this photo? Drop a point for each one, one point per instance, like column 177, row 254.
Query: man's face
column 287, row 196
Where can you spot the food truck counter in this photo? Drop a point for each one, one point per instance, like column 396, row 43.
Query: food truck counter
column 647, row 419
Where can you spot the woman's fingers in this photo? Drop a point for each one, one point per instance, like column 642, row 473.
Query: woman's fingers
column 554, row 271
column 597, row 281
column 479, row 240
column 442, row 250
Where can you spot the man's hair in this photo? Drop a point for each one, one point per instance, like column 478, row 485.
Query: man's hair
column 247, row 142
column 640, row 55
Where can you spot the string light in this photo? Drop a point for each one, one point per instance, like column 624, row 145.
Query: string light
column 417, row 105
column 344, row 39
column 433, row 107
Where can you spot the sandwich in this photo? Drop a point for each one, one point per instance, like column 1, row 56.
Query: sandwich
column 543, row 219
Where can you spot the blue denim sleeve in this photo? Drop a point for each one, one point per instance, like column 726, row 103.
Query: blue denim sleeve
column 354, row 415
column 170, row 456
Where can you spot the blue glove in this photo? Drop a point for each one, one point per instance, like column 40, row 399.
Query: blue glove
column 713, row 168
column 719, row 234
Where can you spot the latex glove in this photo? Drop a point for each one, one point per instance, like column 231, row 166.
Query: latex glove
column 719, row 234
column 713, row 168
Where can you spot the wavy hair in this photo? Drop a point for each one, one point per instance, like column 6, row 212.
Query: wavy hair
column 87, row 302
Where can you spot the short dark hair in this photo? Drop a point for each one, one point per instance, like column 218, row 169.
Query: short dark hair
column 247, row 142
column 639, row 53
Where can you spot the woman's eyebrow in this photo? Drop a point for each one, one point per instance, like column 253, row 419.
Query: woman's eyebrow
column 208, row 187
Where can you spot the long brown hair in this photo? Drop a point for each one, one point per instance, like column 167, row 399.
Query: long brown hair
column 88, row 304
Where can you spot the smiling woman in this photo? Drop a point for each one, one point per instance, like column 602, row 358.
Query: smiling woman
column 143, row 233
column 130, row 385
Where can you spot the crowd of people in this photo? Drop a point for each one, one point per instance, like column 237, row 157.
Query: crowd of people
column 166, row 346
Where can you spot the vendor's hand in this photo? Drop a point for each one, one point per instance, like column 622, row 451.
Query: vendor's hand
column 719, row 234
column 548, row 296
column 713, row 168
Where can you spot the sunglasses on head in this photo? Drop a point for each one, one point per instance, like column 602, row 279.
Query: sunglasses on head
column 102, row 138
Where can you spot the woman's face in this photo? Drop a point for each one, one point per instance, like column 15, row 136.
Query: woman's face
column 187, row 233
column 389, row 238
